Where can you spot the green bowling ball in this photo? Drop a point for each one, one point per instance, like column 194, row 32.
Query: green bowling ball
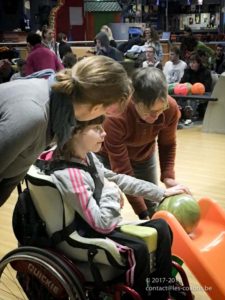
column 185, row 208
column 171, row 87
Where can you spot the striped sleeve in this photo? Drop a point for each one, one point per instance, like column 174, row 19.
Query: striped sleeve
column 77, row 189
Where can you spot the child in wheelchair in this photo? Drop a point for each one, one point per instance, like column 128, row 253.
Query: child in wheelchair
column 94, row 193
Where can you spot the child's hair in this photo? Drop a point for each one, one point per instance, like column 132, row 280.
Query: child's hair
column 149, row 86
column 66, row 150
column 94, row 80
column 81, row 125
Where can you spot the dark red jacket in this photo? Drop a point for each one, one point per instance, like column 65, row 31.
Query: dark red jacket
column 130, row 139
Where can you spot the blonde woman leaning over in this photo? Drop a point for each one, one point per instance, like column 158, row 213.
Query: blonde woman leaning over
column 32, row 113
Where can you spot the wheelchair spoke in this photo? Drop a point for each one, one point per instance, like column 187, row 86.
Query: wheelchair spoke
column 9, row 286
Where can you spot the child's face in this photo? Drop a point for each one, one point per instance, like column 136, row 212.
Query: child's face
column 89, row 139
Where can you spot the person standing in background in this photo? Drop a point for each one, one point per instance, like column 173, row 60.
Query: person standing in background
column 40, row 57
column 48, row 40
column 64, row 47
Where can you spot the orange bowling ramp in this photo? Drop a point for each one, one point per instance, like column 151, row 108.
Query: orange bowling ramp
column 203, row 250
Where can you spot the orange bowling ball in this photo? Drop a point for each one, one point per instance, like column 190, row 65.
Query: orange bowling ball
column 198, row 88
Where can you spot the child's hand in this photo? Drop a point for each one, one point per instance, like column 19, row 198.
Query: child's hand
column 177, row 189
column 108, row 183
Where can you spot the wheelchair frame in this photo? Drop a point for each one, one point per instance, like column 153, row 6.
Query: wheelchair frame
column 44, row 274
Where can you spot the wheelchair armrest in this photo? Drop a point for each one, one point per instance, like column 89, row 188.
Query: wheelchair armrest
column 148, row 234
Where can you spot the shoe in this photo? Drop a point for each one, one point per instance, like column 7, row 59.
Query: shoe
column 188, row 122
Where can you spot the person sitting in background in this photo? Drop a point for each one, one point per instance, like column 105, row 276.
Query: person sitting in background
column 96, row 199
column 219, row 64
column 150, row 120
column 190, row 45
column 184, row 42
column 151, row 61
column 108, row 31
column 40, row 57
column 20, row 64
column 125, row 46
column 197, row 72
column 174, row 68
column 69, row 60
column 6, row 70
column 64, row 47
column 103, row 47
column 152, row 39
column 207, row 61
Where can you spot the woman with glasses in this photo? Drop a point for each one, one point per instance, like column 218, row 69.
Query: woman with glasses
column 150, row 120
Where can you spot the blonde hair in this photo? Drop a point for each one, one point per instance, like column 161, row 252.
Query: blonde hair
column 108, row 31
column 94, row 80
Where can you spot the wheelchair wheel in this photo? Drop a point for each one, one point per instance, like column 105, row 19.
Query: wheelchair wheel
column 37, row 274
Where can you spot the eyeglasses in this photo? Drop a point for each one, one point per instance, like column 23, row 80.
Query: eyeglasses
column 146, row 111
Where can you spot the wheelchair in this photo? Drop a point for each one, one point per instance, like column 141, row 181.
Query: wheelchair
column 90, row 270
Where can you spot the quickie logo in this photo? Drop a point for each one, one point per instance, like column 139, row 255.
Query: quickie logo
column 51, row 286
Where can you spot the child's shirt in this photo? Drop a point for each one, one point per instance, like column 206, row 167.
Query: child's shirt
column 77, row 189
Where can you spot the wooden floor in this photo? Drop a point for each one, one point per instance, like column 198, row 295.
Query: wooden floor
column 200, row 164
